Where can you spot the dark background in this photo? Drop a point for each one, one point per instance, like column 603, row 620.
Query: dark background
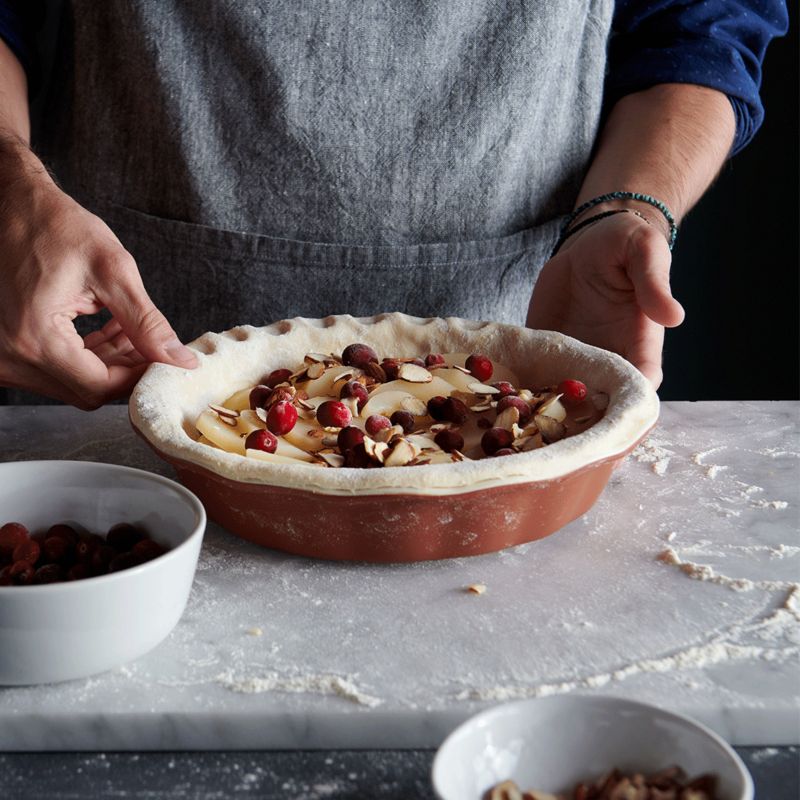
column 735, row 266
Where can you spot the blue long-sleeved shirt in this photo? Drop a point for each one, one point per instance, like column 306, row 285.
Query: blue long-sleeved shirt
column 715, row 43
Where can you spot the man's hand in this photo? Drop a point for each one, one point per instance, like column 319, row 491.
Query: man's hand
column 58, row 261
column 608, row 286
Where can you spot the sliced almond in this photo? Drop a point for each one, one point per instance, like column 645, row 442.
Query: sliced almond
column 507, row 418
column 375, row 450
column 225, row 414
column 316, row 370
column 526, row 395
column 329, row 440
column 477, row 588
column 332, row 459
column 352, row 404
column 462, row 369
column 413, row 373
column 261, row 413
column 387, row 434
column 552, row 430
column 482, row 388
column 516, row 431
column 482, row 407
column 316, row 358
column 414, row 406
column 401, row 453
column 553, row 408
column 530, row 442
column 376, row 372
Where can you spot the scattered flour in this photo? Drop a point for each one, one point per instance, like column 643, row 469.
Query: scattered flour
column 656, row 453
column 313, row 684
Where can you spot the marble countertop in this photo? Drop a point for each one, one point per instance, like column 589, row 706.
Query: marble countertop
column 679, row 587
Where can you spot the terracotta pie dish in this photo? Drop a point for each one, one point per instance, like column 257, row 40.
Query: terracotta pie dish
column 398, row 513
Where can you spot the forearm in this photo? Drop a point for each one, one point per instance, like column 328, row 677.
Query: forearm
column 14, row 113
column 669, row 141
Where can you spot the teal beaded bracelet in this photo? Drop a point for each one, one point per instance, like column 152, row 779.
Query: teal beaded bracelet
column 643, row 198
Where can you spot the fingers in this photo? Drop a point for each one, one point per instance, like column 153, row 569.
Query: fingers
column 648, row 264
column 120, row 288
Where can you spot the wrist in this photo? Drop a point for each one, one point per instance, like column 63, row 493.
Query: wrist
column 19, row 164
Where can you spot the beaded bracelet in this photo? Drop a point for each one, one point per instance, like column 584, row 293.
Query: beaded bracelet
column 644, row 198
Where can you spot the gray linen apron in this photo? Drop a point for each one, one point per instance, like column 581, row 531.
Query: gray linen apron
column 263, row 159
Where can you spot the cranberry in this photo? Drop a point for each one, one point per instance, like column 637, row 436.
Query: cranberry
column 484, row 423
column 376, row 423
column 65, row 532
column 27, row 551
column 480, row 366
column 357, row 457
column 434, row 360
column 510, row 401
column 349, row 437
column 358, row 355
column 405, row 419
column 55, row 549
column 281, row 417
column 572, row 392
column 436, row 407
column 121, row 537
column 333, row 414
column 87, row 544
column 495, row 439
column 259, row 395
column 418, row 361
column 124, row 561
column 265, row 441
column 78, row 572
column 449, row 440
column 22, row 572
column 147, row 550
column 454, row 410
column 505, row 388
column 277, row 376
column 504, row 451
column 357, row 390
column 11, row 535
column 49, row 573
column 390, row 367
column 101, row 558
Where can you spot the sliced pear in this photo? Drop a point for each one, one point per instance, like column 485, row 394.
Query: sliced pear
column 424, row 391
column 387, row 403
column 274, row 458
column 324, row 384
column 240, row 400
column 299, row 435
column 222, row 435
column 288, row 450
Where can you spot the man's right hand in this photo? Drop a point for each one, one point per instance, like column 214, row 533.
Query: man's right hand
column 57, row 262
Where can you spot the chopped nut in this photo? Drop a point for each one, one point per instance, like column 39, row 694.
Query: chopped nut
column 477, row 588
column 413, row 373
column 225, row 414
column 507, row 418
column 402, row 452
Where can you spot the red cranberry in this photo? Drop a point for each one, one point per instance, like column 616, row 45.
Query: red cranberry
column 87, row 544
column 434, row 360
column 21, row 572
column 505, row 388
column 333, row 414
column 449, row 440
column 124, row 561
column 27, row 551
column 349, row 437
column 121, row 537
column 572, row 392
column 405, row 419
column 504, row 451
column 510, row 401
column 55, row 549
column 418, row 361
column 377, row 423
column 357, row 390
column 147, row 550
column 277, row 376
column 49, row 573
column 259, row 395
column 65, row 532
column 266, row 441
column 484, row 423
column 11, row 535
column 281, row 417
column 480, row 366
column 454, row 410
column 78, row 572
column 356, row 457
column 436, row 407
column 358, row 355
column 390, row 367
column 101, row 558
column 496, row 439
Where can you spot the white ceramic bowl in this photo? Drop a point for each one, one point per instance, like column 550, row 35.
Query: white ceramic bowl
column 552, row 743
column 59, row 631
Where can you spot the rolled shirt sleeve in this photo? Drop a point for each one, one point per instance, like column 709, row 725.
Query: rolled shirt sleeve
column 714, row 43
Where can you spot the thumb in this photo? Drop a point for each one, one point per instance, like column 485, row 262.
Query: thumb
column 121, row 290
column 648, row 263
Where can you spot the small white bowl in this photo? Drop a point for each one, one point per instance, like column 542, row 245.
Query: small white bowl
column 60, row 631
column 552, row 743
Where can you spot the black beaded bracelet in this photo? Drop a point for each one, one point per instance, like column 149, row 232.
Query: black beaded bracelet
column 643, row 198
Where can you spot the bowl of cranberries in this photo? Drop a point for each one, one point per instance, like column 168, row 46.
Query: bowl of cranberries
column 394, row 438
column 96, row 565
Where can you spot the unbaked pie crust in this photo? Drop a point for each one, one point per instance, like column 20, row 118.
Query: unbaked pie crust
column 167, row 400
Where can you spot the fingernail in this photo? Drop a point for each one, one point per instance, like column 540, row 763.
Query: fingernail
column 180, row 354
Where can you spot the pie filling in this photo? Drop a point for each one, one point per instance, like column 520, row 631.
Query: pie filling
column 354, row 410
